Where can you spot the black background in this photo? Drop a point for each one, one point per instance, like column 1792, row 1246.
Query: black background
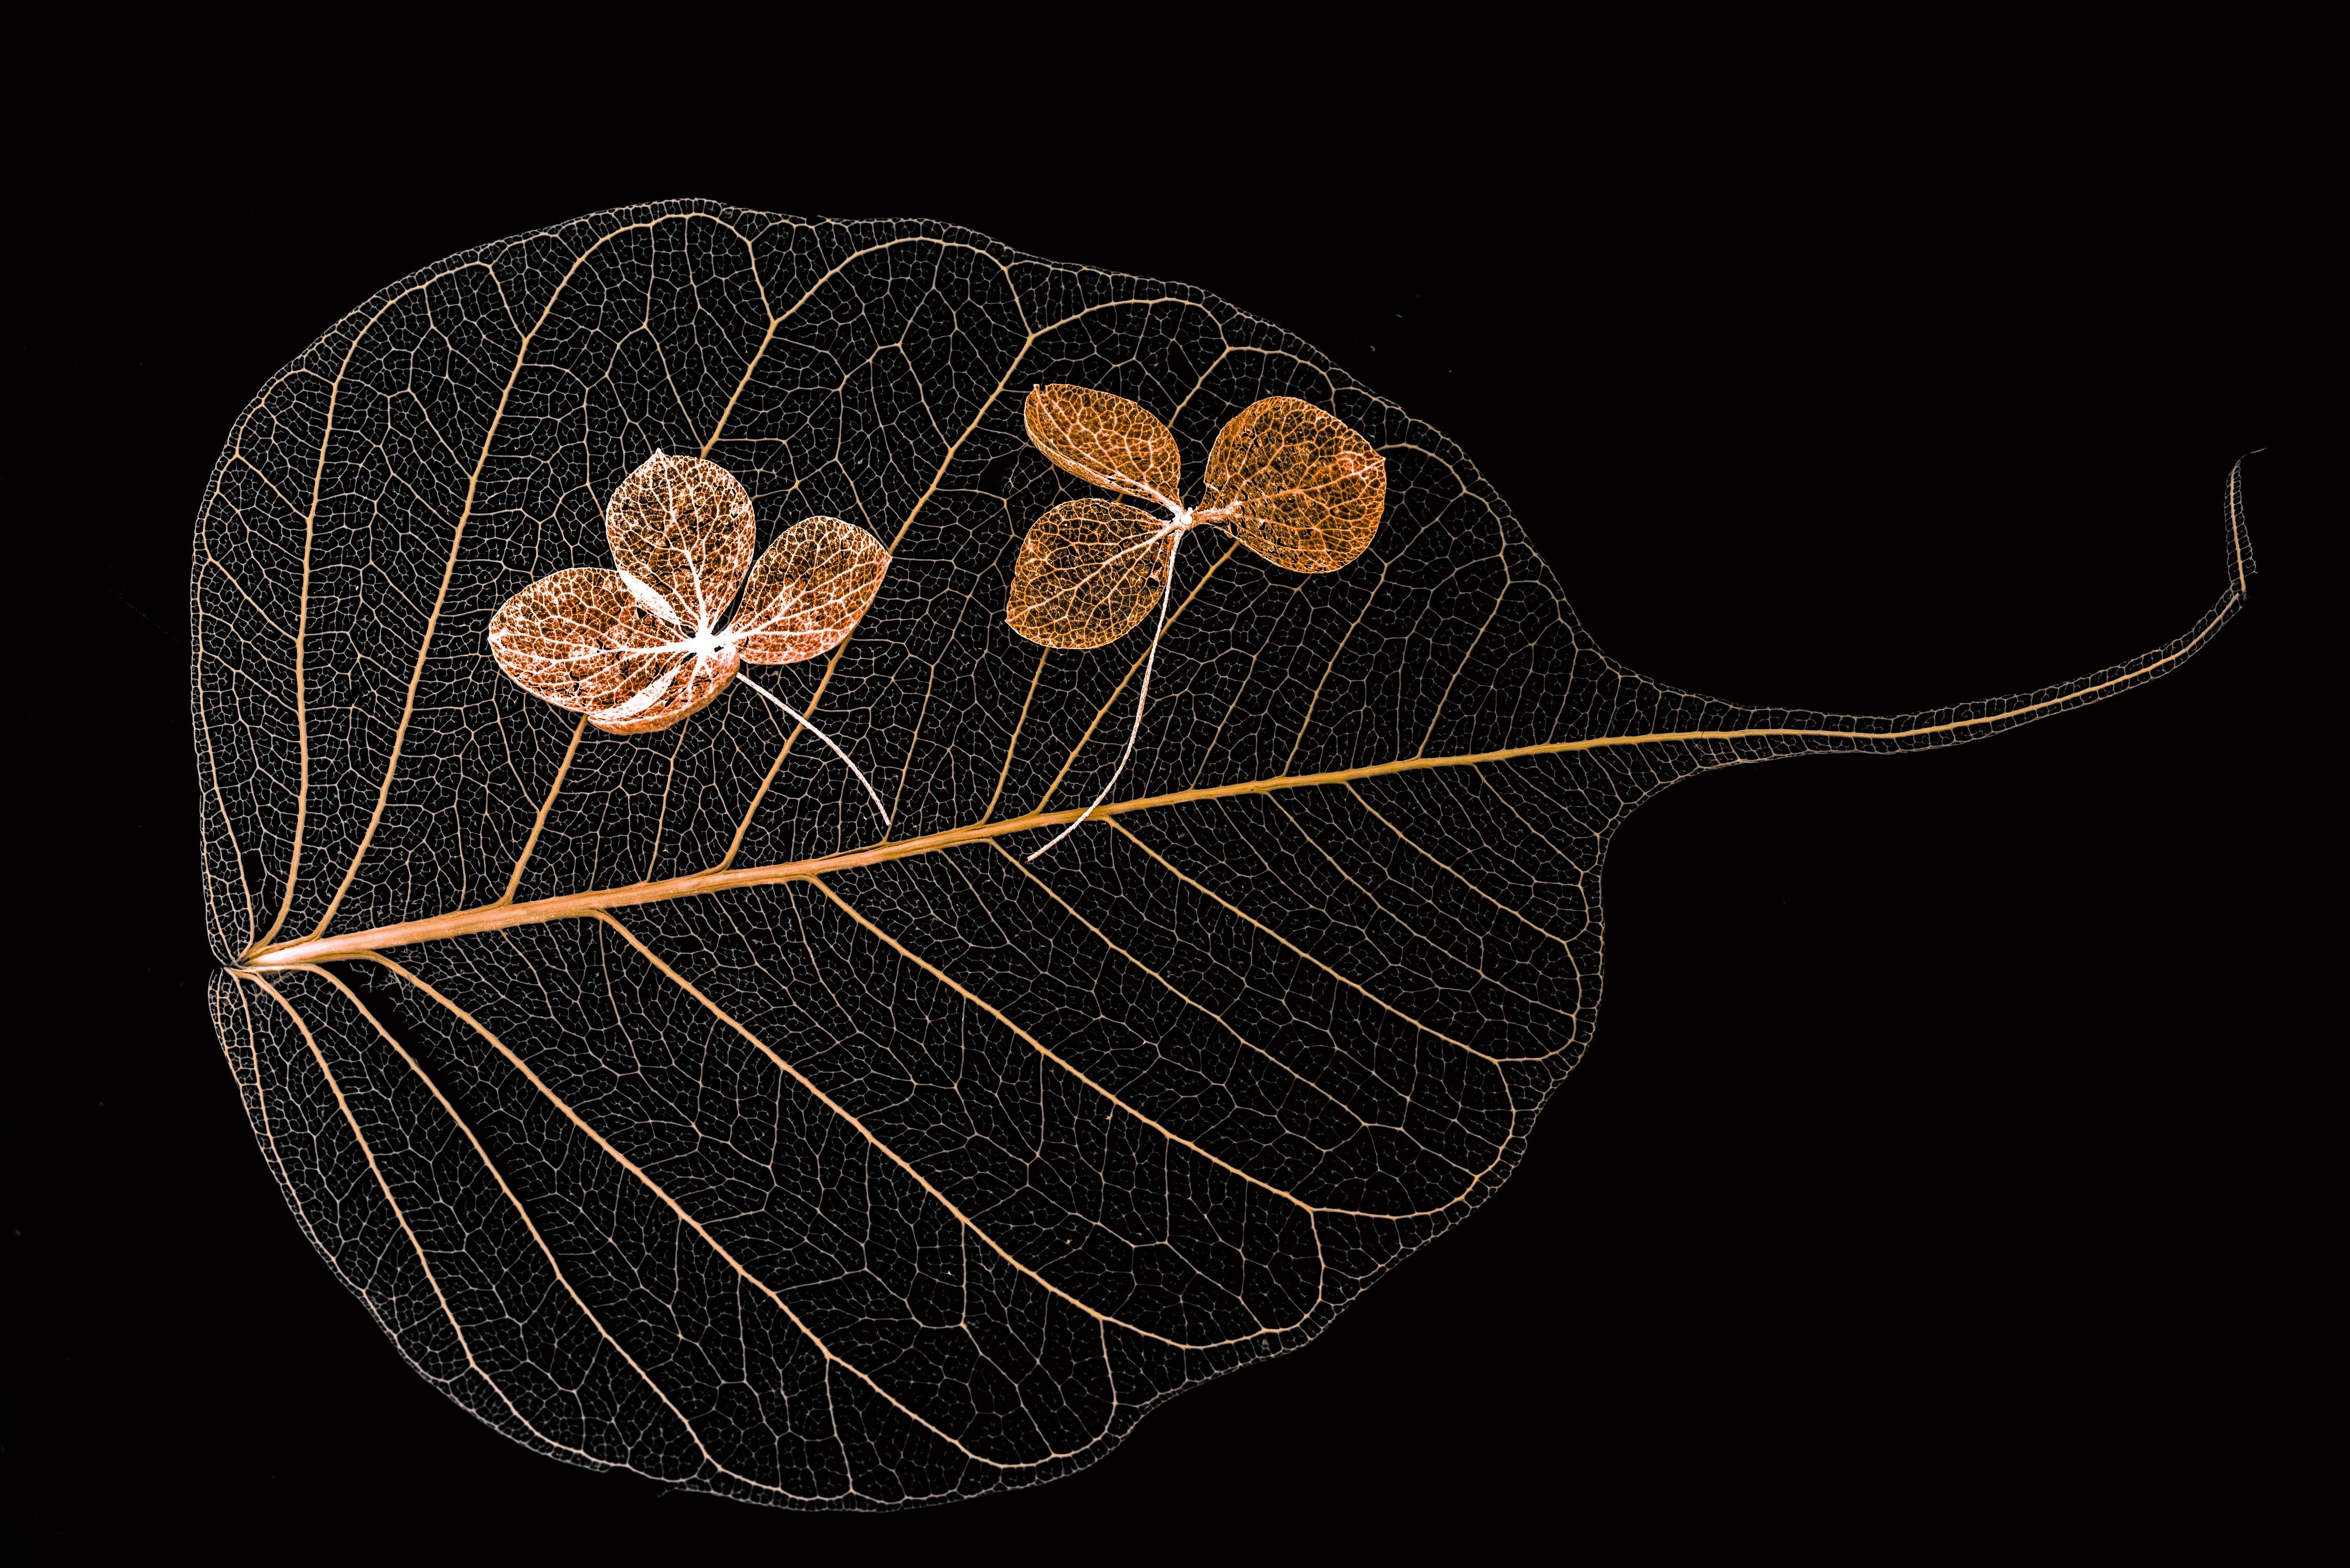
column 1938, row 1174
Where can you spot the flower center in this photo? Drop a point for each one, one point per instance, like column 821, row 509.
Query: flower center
column 705, row 643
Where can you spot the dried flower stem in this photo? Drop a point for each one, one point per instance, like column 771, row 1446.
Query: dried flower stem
column 801, row 719
column 1166, row 592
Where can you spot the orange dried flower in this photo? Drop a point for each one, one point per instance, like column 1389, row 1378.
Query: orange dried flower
column 1295, row 485
column 638, row 649
column 1290, row 481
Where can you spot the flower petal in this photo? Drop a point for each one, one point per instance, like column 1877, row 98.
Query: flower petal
column 683, row 528
column 684, row 691
column 1087, row 573
column 1104, row 439
column 581, row 641
column 1295, row 485
column 808, row 590
column 648, row 596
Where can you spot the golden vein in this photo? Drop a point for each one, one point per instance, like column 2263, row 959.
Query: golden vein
column 845, row 1114
column 449, row 566
column 1018, row 725
column 539, row 825
column 573, row 905
column 1175, row 990
column 1074, row 1071
column 532, row 1226
column 677, row 1209
column 400, row 1214
column 1237, row 912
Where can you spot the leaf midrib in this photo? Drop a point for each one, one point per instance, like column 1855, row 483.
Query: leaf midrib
column 574, row 906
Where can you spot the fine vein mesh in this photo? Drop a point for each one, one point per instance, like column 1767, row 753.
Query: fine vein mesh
column 927, row 1177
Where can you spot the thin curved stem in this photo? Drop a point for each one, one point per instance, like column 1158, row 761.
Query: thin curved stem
column 1166, row 593
column 803, row 721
